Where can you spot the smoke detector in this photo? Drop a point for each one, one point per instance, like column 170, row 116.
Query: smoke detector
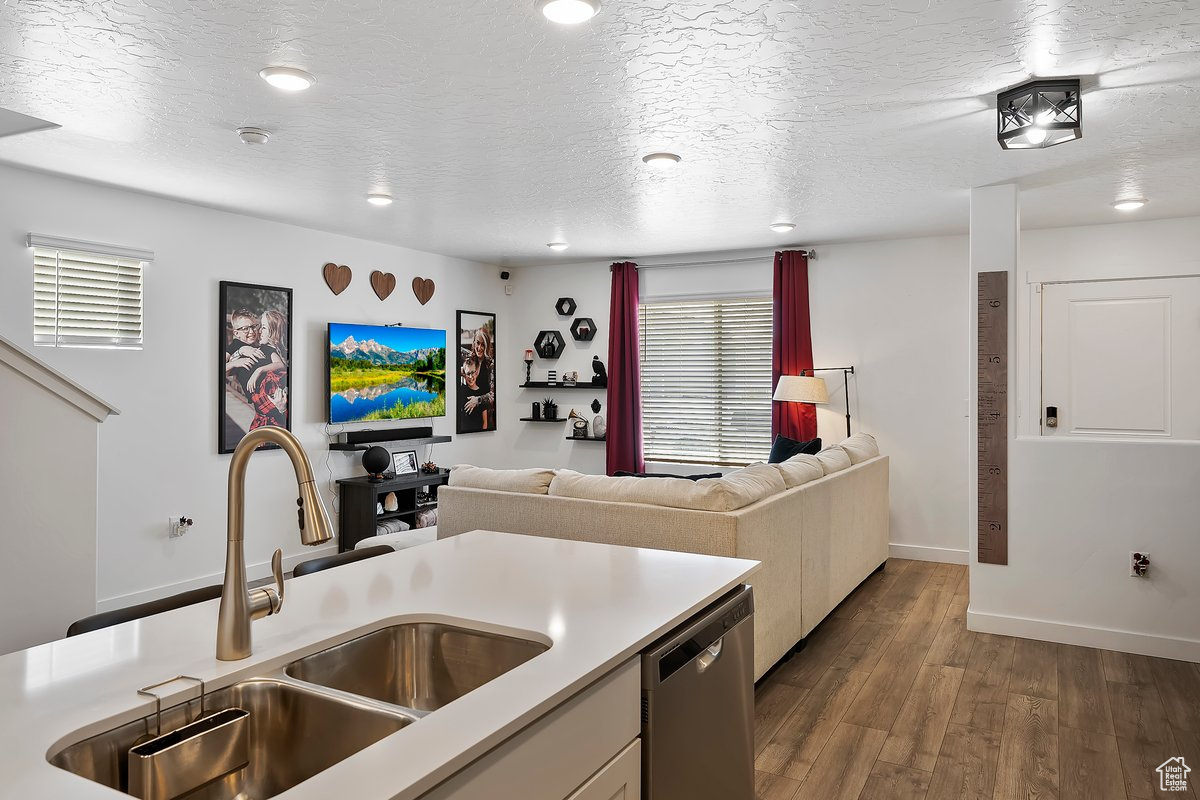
column 253, row 135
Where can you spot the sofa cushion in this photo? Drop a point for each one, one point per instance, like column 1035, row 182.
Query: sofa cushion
column 524, row 481
column 799, row 470
column 733, row 491
column 784, row 448
column 860, row 447
column 698, row 476
column 833, row 459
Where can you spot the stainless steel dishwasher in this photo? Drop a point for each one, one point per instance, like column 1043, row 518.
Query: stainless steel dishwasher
column 698, row 706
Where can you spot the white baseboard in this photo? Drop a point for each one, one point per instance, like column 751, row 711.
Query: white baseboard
column 253, row 572
column 1103, row 638
column 914, row 552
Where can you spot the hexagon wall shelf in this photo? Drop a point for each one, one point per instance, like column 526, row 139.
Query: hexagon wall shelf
column 549, row 344
column 583, row 329
column 565, row 306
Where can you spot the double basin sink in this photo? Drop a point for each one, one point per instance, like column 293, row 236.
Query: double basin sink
column 323, row 708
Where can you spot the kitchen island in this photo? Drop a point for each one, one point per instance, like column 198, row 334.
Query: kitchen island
column 595, row 607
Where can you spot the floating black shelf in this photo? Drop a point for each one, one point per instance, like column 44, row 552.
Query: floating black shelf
column 549, row 344
column 541, row 419
column 391, row 442
column 544, row 385
column 583, row 329
column 586, row 439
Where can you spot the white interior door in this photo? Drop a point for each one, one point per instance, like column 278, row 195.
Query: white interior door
column 1122, row 358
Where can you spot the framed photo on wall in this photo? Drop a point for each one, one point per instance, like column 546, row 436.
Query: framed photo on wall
column 476, row 397
column 255, row 344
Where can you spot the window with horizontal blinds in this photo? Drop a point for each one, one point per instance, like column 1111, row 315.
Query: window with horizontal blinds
column 706, row 380
column 86, row 299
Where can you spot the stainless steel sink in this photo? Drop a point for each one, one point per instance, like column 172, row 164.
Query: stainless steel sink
column 422, row 666
column 294, row 733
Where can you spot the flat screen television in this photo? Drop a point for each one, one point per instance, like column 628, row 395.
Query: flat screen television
column 379, row 372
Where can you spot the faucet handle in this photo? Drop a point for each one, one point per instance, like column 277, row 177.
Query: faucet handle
column 277, row 570
column 267, row 600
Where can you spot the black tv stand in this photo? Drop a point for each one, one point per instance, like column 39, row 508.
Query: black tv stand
column 360, row 498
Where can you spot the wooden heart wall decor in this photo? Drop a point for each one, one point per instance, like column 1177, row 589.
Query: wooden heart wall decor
column 384, row 283
column 337, row 278
column 423, row 288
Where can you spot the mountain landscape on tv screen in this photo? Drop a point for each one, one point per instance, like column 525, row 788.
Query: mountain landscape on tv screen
column 375, row 353
column 401, row 377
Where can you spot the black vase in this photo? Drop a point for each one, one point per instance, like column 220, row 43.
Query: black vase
column 536, row 412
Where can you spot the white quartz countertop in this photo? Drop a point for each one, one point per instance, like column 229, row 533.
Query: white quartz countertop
column 596, row 604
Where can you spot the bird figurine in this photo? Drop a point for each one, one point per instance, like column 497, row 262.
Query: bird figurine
column 599, row 373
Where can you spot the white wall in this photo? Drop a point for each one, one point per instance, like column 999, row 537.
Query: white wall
column 528, row 310
column 158, row 459
column 1078, row 507
column 49, row 544
column 892, row 309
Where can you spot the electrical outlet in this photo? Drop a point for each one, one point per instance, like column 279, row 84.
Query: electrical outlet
column 1139, row 564
column 178, row 526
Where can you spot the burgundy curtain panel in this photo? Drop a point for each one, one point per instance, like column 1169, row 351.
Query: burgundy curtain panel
column 624, row 446
column 791, row 349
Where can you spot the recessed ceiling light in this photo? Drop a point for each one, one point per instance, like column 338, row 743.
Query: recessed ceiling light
column 558, row 246
column 253, row 135
column 661, row 160
column 289, row 79
column 379, row 199
column 568, row 12
column 782, row 227
column 1129, row 204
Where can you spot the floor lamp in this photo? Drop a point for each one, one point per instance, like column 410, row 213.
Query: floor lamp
column 810, row 389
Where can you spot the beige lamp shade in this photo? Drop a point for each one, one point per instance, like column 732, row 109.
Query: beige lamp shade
column 801, row 389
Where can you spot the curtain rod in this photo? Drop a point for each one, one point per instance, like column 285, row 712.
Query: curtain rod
column 811, row 254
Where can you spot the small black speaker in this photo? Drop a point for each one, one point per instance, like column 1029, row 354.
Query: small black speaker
column 375, row 461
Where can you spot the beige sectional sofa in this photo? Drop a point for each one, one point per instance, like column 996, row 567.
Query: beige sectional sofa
column 818, row 524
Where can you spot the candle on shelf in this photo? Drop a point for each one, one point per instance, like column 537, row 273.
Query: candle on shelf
column 528, row 364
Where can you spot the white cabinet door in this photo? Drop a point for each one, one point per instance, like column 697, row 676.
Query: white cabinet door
column 1122, row 358
column 621, row 778
column 557, row 753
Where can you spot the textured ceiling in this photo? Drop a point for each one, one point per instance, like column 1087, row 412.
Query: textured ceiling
column 498, row 131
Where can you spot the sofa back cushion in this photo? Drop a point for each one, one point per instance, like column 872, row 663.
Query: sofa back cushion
column 523, row 481
column 833, row 459
column 860, row 447
column 735, row 490
column 799, row 470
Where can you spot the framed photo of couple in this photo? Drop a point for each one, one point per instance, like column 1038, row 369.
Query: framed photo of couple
column 476, row 396
column 255, row 345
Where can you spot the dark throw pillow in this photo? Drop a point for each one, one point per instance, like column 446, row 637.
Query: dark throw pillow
column 784, row 448
column 624, row 474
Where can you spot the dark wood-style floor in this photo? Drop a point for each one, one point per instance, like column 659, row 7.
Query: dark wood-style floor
column 894, row 699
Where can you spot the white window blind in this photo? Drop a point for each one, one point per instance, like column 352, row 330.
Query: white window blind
column 706, row 380
column 86, row 299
